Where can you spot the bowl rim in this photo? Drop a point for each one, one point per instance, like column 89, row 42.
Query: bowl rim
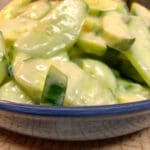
column 88, row 111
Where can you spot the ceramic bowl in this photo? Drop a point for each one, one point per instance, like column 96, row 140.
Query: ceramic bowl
column 75, row 123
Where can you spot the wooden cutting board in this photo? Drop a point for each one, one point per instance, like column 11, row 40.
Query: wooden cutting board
column 136, row 141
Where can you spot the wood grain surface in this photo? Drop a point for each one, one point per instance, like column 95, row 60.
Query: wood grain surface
column 136, row 141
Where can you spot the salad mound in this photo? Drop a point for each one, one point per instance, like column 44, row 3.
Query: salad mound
column 74, row 52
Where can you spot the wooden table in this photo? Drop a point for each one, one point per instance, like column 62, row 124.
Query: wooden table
column 136, row 141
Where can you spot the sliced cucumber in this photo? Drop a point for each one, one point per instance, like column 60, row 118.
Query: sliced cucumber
column 13, row 9
column 130, row 92
column 91, row 43
column 23, row 23
column 92, row 23
column 88, row 91
column 36, row 10
column 55, row 87
column 14, row 28
column 82, row 89
column 57, row 32
column 101, row 6
column 139, row 53
column 31, row 75
column 123, row 8
column 18, row 58
column 141, row 11
column 116, row 32
column 119, row 61
column 100, row 71
column 10, row 91
column 63, row 56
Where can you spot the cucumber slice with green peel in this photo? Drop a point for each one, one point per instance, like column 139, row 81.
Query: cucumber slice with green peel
column 55, row 87
column 10, row 91
column 141, row 11
column 92, row 23
column 82, row 89
column 92, row 44
column 100, row 71
column 13, row 9
column 31, row 75
column 36, row 10
column 139, row 52
column 119, row 61
column 101, row 6
column 116, row 32
column 57, row 32
column 129, row 91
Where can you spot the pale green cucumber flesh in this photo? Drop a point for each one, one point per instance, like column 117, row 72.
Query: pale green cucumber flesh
column 63, row 56
column 116, row 32
column 36, row 10
column 100, row 71
column 92, row 44
column 10, row 91
column 130, row 91
column 56, row 32
column 88, row 91
column 139, row 52
column 92, row 23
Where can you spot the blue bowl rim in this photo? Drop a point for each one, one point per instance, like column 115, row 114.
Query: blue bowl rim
column 106, row 110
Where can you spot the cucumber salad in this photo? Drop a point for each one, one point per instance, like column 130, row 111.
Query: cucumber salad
column 74, row 52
